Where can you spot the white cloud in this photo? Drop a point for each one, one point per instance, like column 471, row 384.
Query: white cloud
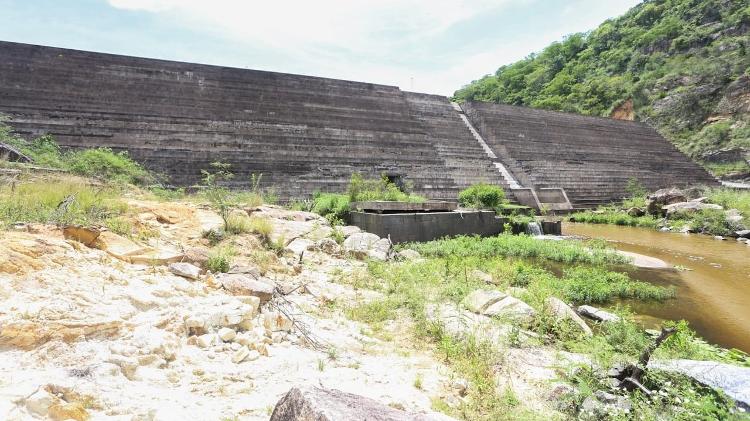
column 384, row 41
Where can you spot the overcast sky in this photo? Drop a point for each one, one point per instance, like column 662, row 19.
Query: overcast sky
column 433, row 46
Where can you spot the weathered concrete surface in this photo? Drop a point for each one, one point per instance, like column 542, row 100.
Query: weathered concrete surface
column 311, row 403
column 403, row 227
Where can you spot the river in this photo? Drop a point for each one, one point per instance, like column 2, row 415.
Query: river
column 712, row 293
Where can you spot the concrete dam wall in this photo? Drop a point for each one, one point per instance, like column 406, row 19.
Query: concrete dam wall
column 307, row 134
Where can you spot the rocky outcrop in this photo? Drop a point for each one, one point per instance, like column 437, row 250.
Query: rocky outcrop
column 367, row 245
column 242, row 284
column 682, row 208
column 732, row 380
column 663, row 197
column 309, row 403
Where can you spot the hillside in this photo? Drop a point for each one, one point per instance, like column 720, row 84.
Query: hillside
column 680, row 65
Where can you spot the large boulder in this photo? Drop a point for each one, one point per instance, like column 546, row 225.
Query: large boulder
column 239, row 284
column 478, row 301
column 594, row 313
column 513, row 309
column 186, row 270
column 309, row 403
column 732, row 380
column 365, row 244
column 562, row 312
column 681, row 208
column 663, row 197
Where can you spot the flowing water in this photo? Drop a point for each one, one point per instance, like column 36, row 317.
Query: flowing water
column 713, row 293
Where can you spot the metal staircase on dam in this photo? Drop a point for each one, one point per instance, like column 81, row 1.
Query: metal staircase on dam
column 545, row 198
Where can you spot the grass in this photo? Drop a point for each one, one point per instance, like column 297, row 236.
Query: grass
column 614, row 216
column 522, row 246
column 65, row 200
column 722, row 169
column 482, row 196
column 220, row 259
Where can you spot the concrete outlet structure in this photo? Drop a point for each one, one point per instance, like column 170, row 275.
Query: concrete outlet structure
column 307, row 134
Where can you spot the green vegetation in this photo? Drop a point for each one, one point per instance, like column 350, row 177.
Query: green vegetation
column 220, row 259
column 445, row 275
column 706, row 221
column 102, row 163
column 335, row 207
column 482, row 196
column 61, row 201
column 522, row 246
column 674, row 61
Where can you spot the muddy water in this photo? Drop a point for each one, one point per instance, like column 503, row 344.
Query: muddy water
column 713, row 294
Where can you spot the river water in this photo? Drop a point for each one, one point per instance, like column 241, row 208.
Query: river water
column 713, row 294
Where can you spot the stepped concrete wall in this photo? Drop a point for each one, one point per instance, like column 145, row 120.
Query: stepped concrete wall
column 307, row 134
column 591, row 158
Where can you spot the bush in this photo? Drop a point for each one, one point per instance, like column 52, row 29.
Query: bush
column 365, row 190
column 482, row 196
column 108, row 165
column 334, row 207
column 220, row 260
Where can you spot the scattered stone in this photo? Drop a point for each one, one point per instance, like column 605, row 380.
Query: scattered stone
column 310, row 403
column 40, row 402
column 636, row 212
column 560, row 394
column 682, row 208
column 226, row 334
column 207, row 340
column 562, row 311
column 238, row 284
column 299, row 246
column 478, row 301
column 482, row 276
column 195, row 322
column 602, row 405
column 240, row 355
column 186, row 270
column 408, row 255
column 275, row 321
column 511, row 308
column 197, row 256
column 461, row 386
column 328, row 246
column 718, row 237
column 251, row 271
column 743, row 233
column 594, row 313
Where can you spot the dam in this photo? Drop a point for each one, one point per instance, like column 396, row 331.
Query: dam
column 308, row 134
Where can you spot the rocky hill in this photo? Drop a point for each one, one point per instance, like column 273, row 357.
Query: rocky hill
column 680, row 65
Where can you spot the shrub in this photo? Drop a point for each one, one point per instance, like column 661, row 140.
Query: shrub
column 220, row 260
column 482, row 196
column 363, row 190
column 108, row 165
column 335, row 207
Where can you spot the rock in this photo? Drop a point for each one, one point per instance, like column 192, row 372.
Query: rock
column 482, row 276
column 560, row 397
column 636, row 212
column 81, row 234
column 718, row 237
column 478, row 301
column 251, row 271
column 461, row 386
column 207, row 340
column 732, row 380
column 594, row 313
column 682, row 208
column 117, row 246
column 40, row 402
column 328, row 246
column 408, row 255
column 310, row 403
column 197, row 256
column 743, row 233
column 65, row 411
column 237, row 284
column 602, row 405
column 663, row 197
column 381, row 250
column 186, row 270
column 275, row 321
column 360, row 243
column 561, row 311
column 511, row 308
column 240, row 355
column 733, row 216
column 299, row 246
column 226, row 334
column 195, row 322
column 349, row 230
column 643, row 261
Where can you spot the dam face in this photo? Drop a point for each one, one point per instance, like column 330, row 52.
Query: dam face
column 307, row 134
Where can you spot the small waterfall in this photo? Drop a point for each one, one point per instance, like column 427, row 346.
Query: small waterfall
column 534, row 228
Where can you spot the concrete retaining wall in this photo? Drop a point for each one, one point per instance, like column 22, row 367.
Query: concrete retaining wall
column 403, row 227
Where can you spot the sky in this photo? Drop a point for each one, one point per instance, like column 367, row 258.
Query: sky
column 433, row 46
